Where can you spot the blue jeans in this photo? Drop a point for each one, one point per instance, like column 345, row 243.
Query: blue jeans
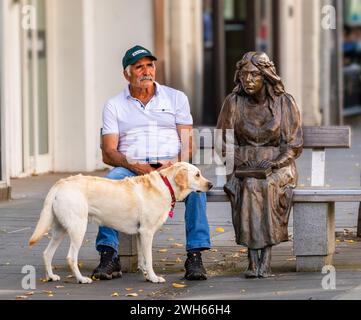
column 197, row 229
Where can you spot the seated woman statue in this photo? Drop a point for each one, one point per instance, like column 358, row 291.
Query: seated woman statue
column 267, row 140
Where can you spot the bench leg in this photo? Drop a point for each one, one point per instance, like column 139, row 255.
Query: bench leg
column 128, row 252
column 313, row 235
column 359, row 221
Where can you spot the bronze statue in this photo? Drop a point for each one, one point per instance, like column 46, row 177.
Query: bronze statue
column 267, row 140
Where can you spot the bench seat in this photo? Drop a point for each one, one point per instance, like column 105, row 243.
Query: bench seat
column 304, row 194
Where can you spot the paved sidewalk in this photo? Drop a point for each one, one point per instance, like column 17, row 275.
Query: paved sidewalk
column 225, row 262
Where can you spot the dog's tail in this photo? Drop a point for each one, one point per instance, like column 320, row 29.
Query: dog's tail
column 46, row 217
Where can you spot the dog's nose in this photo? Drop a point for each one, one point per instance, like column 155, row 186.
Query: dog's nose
column 210, row 185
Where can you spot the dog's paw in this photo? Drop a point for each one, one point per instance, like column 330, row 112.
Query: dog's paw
column 161, row 279
column 142, row 269
column 156, row 279
column 54, row 277
column 84, row 280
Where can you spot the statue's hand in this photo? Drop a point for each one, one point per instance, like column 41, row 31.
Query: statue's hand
column 250, row 164
column 265, row 164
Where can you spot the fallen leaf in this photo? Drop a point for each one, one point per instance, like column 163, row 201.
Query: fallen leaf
column 213, row 250
column 115, row 294
column 7, row 263
column 69, row 276
column 58, row 287
column 140, row 290
column 243, row 250
column 133, row 294
column 291, row 259
column 178, row 245
column 80, row 264
column 337, row 240
column 162, row 250
column 350, row 241
column 128, row 289
column 219, row 229
column 50, row 295
column 178, row 285
column 178, row 260
column 170, row 239
column 48, row 291
column 30, row 293
column 21, row 297
column 163, row 259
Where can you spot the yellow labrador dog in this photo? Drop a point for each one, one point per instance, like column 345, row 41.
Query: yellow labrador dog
column 138, row 205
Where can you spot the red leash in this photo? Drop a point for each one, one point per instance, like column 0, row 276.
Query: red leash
column 167, row 183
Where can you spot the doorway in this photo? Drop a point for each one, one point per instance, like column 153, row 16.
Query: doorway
column 232, row 28
column 36, row 155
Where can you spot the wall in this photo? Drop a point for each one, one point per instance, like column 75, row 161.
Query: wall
column 291, row 48
column 11, row 134
column 118, row 25
column 66, row 81
column 311, row 39
column 300, row 39
column 184, row 50
column 89, row 39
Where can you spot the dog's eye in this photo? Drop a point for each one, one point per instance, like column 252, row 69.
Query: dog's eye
column 198, row 175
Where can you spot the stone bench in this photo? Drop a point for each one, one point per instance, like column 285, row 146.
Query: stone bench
column 313, row 223
column 313, row 207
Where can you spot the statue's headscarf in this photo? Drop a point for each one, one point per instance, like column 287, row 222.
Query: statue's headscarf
column 262, row 62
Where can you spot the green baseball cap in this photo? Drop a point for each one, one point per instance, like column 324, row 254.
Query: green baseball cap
column 134, row 54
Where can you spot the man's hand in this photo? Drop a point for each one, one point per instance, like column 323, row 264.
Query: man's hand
column 140, row 168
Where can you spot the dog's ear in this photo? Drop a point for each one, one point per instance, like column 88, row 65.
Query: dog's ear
column 181, row 178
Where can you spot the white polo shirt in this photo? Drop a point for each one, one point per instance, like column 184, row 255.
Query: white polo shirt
column 147, row 132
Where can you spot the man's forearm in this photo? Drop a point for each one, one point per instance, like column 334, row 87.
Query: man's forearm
column 115, row 158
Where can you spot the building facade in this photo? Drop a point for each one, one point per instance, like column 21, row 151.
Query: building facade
column 61, row 60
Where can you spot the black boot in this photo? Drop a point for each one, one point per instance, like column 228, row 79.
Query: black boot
column 265, row 263
column 194, row 267
column 253, row 262
column 108, row 268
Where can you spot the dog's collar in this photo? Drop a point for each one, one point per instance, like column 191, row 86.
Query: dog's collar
column 167, row 183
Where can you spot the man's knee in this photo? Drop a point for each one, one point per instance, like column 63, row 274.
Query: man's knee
column 197, row 196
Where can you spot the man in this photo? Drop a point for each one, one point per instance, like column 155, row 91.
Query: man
column 143, row 130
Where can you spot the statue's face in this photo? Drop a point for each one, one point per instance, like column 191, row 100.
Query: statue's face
column 252, row 79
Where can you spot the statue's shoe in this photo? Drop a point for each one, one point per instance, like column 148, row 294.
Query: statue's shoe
column 265, row 273
column 251, row 273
